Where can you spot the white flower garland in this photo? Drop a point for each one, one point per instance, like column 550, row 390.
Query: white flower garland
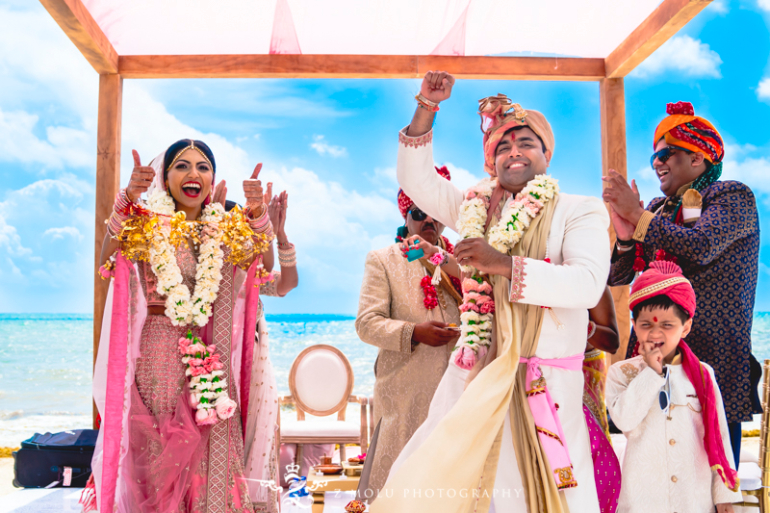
column 478, row 302
column 208, row 390
column 181, row 307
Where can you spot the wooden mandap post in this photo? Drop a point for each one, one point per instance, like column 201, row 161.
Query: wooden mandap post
column 107, row 183
column 613, row 124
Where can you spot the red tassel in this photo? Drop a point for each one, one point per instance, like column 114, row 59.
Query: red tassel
column 88, row 496
column 685, row 108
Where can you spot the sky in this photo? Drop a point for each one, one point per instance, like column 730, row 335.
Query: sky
column 332, row 145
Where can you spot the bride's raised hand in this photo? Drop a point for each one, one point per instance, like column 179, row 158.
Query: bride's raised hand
column 255, row 196
column 141, row 179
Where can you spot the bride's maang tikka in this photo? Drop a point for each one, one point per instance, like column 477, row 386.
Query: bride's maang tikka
column 190, row 147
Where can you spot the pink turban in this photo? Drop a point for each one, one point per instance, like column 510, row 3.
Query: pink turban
column 663, row 278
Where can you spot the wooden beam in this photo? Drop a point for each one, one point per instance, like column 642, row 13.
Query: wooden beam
column 664, row 22
column 107, row 182
column 75, row 20
column 357, row 66
column 613, row 124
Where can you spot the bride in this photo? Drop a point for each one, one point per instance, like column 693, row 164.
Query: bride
column 177, row 359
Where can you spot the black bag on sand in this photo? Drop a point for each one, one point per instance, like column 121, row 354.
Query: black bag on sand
column 55, row 459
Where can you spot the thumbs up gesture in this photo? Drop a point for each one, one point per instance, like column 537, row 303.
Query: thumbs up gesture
column 141, row 179
column 255, row 196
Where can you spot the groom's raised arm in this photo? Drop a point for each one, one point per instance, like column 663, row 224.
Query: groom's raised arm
column 415, row 170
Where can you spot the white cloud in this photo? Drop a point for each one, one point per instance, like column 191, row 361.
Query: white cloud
column 321, row 211
column 66, row 231
column 764, row 4
column 720, row 6
column 323, row 148
column 64, row 146
column 10, row 240
column 462, row 178
column 682, row 55
column 763, row 90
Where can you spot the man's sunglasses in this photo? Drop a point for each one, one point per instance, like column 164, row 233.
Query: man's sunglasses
column 665, row 154
column 417, row 214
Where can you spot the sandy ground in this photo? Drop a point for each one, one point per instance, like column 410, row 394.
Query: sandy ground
column 6, row 476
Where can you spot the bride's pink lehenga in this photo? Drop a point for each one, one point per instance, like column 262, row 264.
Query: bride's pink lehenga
column 156, row 459
column 171, row 457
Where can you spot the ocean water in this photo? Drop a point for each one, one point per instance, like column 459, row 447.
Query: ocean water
column 46, row 362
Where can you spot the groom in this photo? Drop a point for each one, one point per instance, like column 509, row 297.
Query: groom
column 493, row 446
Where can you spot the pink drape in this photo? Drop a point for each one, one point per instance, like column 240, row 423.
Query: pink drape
column 546, row 419
column 112, row 418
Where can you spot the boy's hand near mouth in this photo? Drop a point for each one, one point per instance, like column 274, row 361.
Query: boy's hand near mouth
column 653, row 356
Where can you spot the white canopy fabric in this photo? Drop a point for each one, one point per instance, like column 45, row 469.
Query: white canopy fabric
column 565, row 28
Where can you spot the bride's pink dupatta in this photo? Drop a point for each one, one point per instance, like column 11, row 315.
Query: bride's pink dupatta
column 124, row 317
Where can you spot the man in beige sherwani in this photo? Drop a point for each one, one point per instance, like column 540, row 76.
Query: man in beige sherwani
column 414, row 340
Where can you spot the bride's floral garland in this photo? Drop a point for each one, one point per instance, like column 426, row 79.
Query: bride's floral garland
column 478, row 305
column 146, row 237
column 181, row 307
column 208, row 388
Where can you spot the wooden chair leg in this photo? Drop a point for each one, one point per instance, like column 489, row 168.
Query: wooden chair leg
column 298, row 457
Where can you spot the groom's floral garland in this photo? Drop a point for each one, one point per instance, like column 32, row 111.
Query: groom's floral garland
column 146, row 237
column 478, row 305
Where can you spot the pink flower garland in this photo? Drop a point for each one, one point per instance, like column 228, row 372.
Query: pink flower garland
column 208, row 389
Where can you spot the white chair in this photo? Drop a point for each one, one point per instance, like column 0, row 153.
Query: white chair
column 755, row 476
column 320, row 381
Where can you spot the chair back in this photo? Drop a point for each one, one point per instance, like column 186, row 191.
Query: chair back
column 764, row 450
column 321, row 380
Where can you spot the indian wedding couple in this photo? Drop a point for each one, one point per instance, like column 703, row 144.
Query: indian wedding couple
column 490, row 381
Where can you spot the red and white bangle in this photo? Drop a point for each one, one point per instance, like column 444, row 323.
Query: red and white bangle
column 591, row 329
column 121, row 211
column 287, row 255
column 262, row 224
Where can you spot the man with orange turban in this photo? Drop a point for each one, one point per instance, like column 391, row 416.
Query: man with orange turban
column 710, row 228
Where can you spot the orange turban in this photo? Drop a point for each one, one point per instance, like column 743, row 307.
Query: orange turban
column 498, row 115
column 684, row 129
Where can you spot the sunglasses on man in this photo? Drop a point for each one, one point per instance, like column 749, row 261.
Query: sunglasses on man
column 665, row 154
column 418, row 215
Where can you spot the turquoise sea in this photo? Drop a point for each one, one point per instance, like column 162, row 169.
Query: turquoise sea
column 46, row 362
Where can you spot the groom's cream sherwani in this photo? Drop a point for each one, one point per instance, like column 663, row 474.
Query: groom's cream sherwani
column 579, row 251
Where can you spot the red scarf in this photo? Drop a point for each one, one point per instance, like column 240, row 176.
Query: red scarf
column 712, row 437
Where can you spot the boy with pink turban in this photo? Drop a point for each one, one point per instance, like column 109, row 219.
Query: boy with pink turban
column 668, row 405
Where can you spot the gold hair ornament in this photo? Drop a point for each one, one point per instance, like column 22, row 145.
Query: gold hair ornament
column 190, row 147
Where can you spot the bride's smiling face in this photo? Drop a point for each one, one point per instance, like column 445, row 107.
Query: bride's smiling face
column 189, row 179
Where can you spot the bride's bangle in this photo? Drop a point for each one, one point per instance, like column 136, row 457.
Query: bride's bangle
column 287, row 255
column 121, row 211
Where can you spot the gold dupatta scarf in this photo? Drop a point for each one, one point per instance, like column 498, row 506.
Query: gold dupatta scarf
column 454, row 470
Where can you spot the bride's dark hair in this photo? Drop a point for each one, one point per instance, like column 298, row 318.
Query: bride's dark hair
column 175, row 149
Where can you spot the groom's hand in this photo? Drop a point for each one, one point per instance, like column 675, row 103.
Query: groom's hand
column 478, row 253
